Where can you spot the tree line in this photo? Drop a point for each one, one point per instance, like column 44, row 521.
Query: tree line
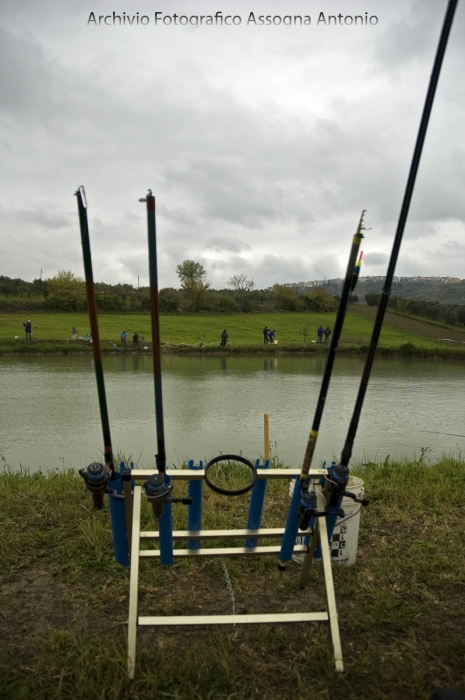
column 453, row 314
column 66, row 292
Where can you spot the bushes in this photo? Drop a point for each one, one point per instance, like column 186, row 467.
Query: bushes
column 453, row 314
column 108, row 302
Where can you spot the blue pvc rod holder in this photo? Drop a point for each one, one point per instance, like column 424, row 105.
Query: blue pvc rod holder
column 257, row 499
column 122, row 466
column 118, row 522
column 165, row 531
column 292, row 526
column 194, row 513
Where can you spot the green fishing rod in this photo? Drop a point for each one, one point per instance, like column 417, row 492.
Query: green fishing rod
column 158, row 486
column 97, row 475
column 155, row 318
column 347, row 450
column 303, row 508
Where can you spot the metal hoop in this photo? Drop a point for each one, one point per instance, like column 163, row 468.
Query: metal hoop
column 229, row 458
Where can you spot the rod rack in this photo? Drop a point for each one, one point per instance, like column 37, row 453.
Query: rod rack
column 217, row 534
column 139, row 538
column 199, row 474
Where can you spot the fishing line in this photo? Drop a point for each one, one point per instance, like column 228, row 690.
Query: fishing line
column 436, row 432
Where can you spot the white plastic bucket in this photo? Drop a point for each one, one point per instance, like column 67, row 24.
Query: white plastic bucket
column 344, row 541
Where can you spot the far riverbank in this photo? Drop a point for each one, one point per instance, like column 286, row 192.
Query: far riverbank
column 200, row 334
column 442, row 351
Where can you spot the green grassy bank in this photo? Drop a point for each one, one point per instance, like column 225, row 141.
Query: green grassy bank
column 294, row 332
column 401, row 613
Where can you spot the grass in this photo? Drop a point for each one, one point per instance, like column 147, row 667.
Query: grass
column 401, row 613
column 440, row 324
column 52, row 333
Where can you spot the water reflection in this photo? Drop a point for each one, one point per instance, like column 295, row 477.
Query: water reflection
column 216, row 404
column 270, row 364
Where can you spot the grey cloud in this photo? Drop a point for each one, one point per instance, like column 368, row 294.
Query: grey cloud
column 227, row 244
column 39, row 217
column 411, row 36
column 375, row 259
column 454, row 245
column 26, row 82
column 282, row 269
column 198, row 117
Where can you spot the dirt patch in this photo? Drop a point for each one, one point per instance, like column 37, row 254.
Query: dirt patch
column 402, row 323
column 42, row 601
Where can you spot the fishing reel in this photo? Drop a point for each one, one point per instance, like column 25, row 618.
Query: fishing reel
column 337, row 478
column 158, row 492
column 97, row 476
column 308, row 507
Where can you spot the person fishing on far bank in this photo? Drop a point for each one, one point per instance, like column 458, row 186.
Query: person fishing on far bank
column 320, row 332
column 124, row 339
column 224, row 338
column 327, row 333
column 265, row 334
column 28, row 329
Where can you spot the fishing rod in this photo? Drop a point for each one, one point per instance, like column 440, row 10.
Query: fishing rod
column 338, row 474
column 155, row 319
column 350, row 281
column 158, row 486
column 97, row 475
column 449, row 16
column 307, row 505
column 308, row 495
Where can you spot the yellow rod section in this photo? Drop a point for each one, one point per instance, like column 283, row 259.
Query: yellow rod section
column 267, row 436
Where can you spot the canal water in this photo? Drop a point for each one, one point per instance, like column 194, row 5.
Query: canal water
column 50, row 417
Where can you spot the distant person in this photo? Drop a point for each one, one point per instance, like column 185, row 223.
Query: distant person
column 74, row 333
column 265, row 334
column 124, row 339
column 135, row 340
column 224, row 338
column 320, row 332
column 327, row 333
column 271, row 335
column 28, row 329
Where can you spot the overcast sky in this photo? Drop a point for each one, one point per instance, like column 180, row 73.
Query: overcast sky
column 262, row 144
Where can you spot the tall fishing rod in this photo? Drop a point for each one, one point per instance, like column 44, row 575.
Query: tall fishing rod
column 304, row 502
column 155, row 318
column 96, row 478
column 158, row 486
column 347, row 450
column 350, row 281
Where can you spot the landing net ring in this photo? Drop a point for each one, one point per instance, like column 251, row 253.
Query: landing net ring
column 231, row 458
